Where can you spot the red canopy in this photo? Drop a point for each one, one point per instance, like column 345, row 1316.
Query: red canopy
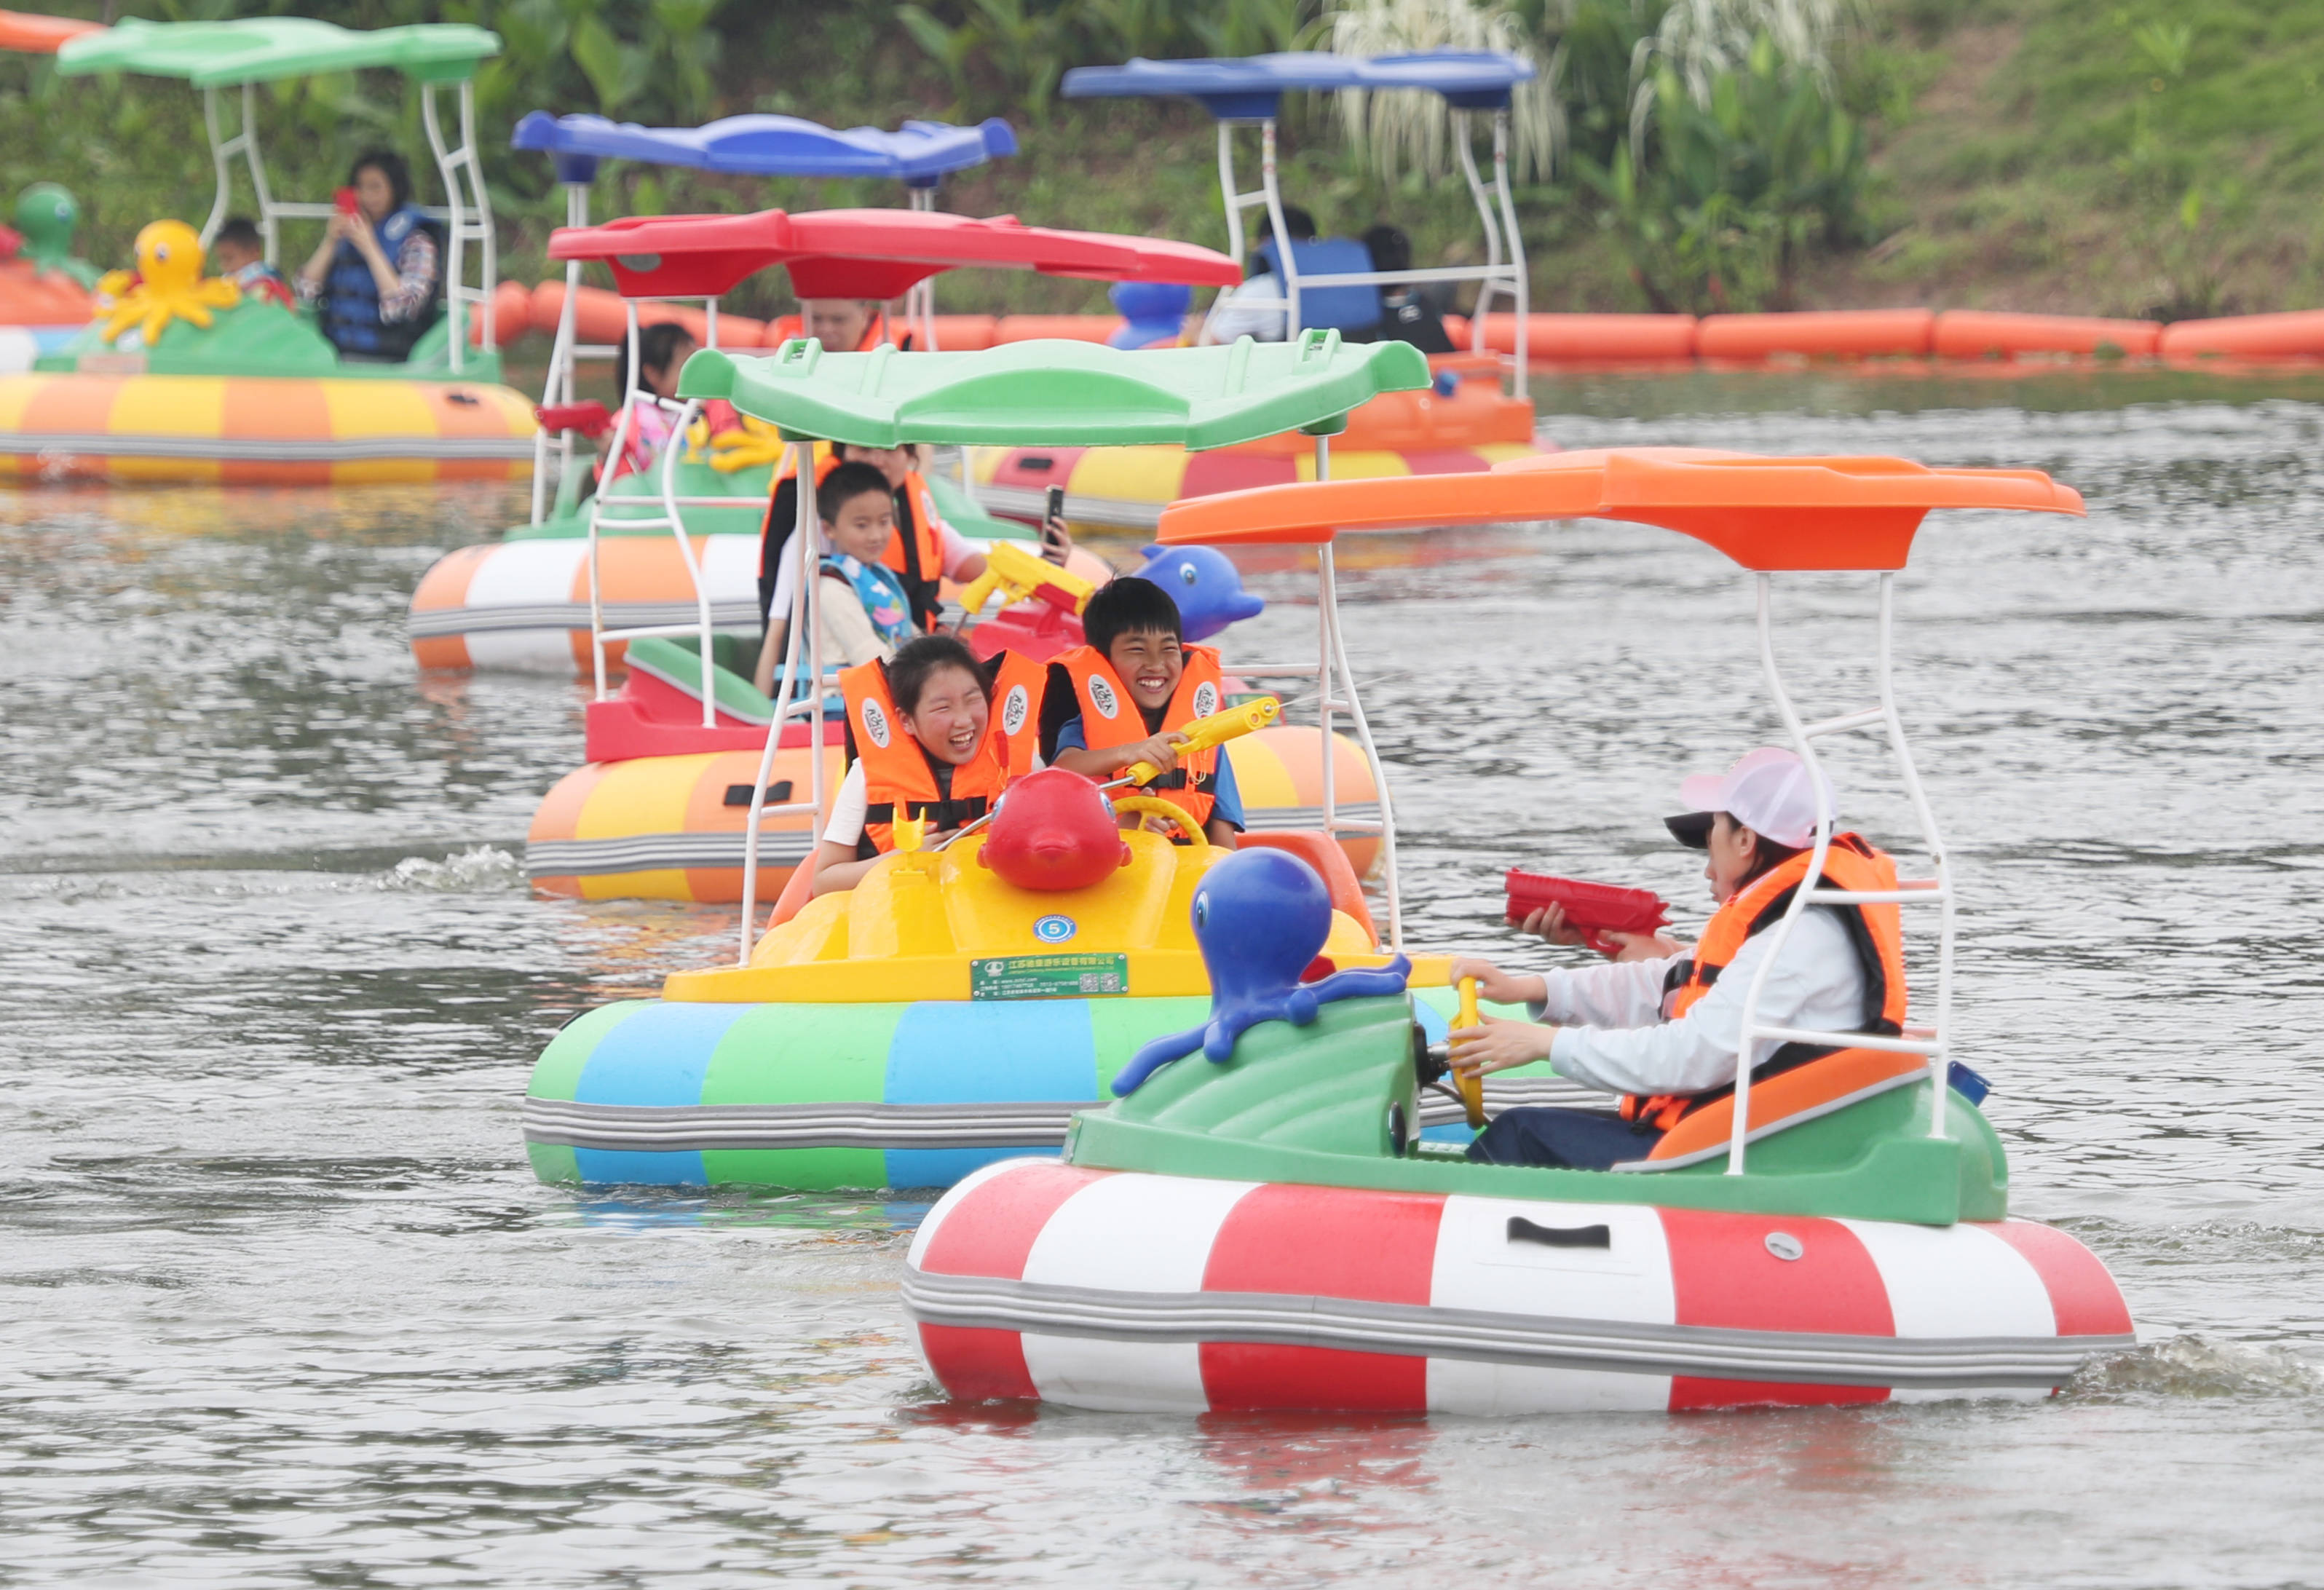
column 865, row 253
column 1765, row 513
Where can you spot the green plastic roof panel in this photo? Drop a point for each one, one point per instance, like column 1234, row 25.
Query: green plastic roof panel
column 1060, row 393
column 259, row 50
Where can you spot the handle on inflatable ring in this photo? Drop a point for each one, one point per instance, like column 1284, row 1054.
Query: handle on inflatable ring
column 1156, row 806
column 1471, row 1086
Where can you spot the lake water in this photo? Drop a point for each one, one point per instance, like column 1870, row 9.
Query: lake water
column 285, row 1306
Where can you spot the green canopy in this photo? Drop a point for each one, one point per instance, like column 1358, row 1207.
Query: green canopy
column 1060, row 393
column 259, row 50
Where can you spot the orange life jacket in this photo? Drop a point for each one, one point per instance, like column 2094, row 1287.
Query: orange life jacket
column 1877, row 932
column 898, row 773
column 1110, row 717
column 914, row 550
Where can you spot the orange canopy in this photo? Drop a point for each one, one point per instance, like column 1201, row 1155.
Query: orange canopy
column 22, row 32
column 1767, row 514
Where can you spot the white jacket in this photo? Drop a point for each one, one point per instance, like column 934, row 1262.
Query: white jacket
column 1611, row 1036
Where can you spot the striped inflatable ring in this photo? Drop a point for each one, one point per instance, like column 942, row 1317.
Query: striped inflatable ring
column 1149, row 1293
column 822, row 1097
column 261, row 431
column 523, row 604
column 671, row 828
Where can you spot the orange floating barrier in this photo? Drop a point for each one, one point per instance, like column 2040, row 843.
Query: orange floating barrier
column 1840, row 334
column 965, row 334
column 597, row 317
column 1594, row 339
column 1980, row 334
column 25, row 33
column 1079, row 328
column 511, row 315
column 2299, row 335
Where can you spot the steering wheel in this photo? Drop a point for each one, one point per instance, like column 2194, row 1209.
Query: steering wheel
column 1156, row 806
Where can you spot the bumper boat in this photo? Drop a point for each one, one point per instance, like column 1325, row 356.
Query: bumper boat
column 1463, row 421
column 528, row 601
column 1261, row 1225
column 44, row 291
column 939, row 1015
column 218, row 388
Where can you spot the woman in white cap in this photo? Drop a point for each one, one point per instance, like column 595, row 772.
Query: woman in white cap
column 1661, row 1026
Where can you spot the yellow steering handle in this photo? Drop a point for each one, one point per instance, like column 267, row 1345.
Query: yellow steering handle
column 1470, row 1085
column 1156, row 806
column 1217, row 728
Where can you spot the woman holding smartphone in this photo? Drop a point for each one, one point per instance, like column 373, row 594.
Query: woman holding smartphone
column 376, row 279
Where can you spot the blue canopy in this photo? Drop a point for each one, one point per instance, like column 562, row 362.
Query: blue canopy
column 918, row 153
column 1251, row 88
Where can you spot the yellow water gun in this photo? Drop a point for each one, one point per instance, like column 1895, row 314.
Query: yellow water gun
column 732, row 451
column 1020, row 575
column 1204, row 733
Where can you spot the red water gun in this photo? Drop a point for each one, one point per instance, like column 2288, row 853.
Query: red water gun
column 1593, row 908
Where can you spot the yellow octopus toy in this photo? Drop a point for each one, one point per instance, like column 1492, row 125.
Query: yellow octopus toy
column 169, row 285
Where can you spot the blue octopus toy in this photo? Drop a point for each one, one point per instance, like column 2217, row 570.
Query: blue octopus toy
column 1260, row 916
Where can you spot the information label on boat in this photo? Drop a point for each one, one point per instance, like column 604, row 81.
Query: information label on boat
column 1047, row 976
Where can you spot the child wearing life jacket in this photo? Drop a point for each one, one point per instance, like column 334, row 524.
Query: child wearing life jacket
column 238, row 253
column 1662, row 1027
column 1125, row 698
column 933, row 735
column 864, row 613
column 923, row 551
column 663, row 350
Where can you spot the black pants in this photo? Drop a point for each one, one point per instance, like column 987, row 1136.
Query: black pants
column 1568, row 1139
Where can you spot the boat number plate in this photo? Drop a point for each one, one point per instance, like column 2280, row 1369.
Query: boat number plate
column 1047, row 976
column 1785, row 1245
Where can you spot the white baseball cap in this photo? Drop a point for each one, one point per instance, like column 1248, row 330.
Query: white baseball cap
column 1767, row 791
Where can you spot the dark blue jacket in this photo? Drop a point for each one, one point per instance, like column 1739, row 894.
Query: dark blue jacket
column 350, row 301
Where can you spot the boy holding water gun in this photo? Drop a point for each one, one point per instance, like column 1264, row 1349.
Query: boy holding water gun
column 1662, row 1025
column 1127, row 695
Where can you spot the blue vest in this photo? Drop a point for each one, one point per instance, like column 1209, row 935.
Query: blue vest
column 882, row 593
column 350, row 302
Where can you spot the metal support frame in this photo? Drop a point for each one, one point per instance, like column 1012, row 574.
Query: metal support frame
column 806, row 635
column 1335, row 692
column 1936, row 890
column 223, row 150
column 671, row 517
column 1497, row 276
column 466, row 212
column 557, row 387
column 920, row 297
column 455, row 166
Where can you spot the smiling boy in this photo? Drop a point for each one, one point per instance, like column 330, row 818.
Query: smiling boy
column 1127, row 695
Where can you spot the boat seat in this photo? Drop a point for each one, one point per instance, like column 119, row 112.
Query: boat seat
column 1324, row 854
column 1787, row 1100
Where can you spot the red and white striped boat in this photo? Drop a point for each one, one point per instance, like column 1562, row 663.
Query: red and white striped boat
column 1131, row 1291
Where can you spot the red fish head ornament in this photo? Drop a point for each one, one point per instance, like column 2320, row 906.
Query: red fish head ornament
column 1053, row 831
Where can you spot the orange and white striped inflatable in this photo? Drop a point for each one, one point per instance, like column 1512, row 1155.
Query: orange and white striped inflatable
column 261, row 431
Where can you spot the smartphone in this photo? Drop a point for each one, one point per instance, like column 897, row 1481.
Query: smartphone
column 1055, row 509
column 343, row 200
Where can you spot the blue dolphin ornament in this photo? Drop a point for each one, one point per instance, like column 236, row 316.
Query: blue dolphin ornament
column 1205, row 585
column 1260, row 917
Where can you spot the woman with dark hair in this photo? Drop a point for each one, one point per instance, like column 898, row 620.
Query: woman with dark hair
column 376, row 279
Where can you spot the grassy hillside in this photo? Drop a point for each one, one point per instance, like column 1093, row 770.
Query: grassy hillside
column 2073, row 155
